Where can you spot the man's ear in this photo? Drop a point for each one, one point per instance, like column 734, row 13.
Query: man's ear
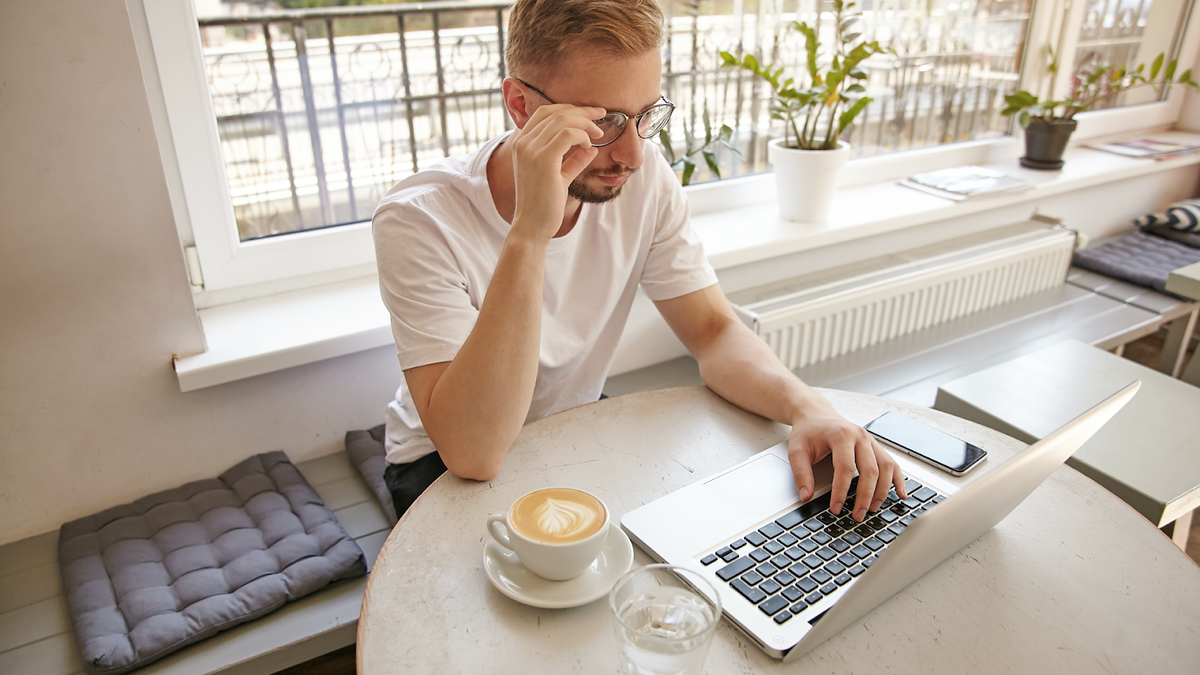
column 516, row 102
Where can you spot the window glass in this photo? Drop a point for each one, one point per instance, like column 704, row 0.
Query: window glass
column 1129, row 32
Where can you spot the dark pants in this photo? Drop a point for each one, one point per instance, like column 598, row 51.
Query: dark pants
column 406, row 482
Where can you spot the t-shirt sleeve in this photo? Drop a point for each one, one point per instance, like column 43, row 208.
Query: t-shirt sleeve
column 676, row 264
column 423, row 286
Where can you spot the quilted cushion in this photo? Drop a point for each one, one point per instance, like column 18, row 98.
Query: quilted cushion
column 1183, row 216
column 145, row 579
column 1138, row 258
column 367, row 454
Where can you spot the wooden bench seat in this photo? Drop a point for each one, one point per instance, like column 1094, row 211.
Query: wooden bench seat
column 36, row 636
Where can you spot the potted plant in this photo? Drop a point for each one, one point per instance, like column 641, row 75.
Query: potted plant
column 810, row 155
column 1047, row 130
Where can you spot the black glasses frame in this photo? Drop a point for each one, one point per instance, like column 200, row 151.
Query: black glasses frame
column 637, row 119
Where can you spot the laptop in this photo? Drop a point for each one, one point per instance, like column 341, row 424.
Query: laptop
column 792, row 575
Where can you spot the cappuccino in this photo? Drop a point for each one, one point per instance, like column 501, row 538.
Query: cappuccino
column 557, row 515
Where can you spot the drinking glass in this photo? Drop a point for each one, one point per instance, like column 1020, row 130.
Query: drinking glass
column 664, row 617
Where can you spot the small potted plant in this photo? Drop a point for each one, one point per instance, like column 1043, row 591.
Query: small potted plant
column 1047, row 130
column 810, row 155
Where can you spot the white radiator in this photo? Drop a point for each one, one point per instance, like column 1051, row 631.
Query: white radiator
column 810, row 318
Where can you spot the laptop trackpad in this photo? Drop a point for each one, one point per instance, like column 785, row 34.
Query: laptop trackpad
column 759, row 487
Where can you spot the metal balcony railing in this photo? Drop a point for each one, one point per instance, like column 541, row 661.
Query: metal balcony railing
column 321, row 111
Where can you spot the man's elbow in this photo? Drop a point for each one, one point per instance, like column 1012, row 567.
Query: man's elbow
column 471, row 468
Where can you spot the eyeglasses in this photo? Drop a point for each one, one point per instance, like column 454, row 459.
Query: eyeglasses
column 647, row 123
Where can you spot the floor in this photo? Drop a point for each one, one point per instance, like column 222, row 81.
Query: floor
column 1144, row 351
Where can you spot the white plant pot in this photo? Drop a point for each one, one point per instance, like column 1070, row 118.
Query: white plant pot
column 805, row 180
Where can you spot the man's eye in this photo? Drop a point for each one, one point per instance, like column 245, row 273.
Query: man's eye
column 611, row 121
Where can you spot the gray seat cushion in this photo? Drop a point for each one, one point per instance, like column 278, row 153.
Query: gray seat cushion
column 145, row 579
column 1139, row 258
column 367, row 454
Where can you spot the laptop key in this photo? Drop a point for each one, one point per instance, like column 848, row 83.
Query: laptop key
column 781, row 561
column 784, row 579
column 783, row 617
column 787, row 539
column 809, row 545
column 769, row 587
column 848, row 560
column 873, row 543
column 840, row 546
column 857, row 570
column 752, row 594
column 826, row 518
column 842, row 579
column 792, row 594
column 730, row 556
column 865, row 530
column 860, row 551
column 735, row 568
column 708, row 559
column 770, row 530
column 868, row 562
column 924, row 494
column 773, row 605
column 851, row 538
column 912, row 502
column 898, row 528
column 876, row 523
column 912, row 485
column 939, row 499
column 813, row 561
column 795, row 553
column 888, row 516
column 766, row 569
column 798, row 570
column 751, row 578
column 755, row 539
column 789, row 520
column 807, row 585
column 834, row 568
column 814, row 525
column 723, row 550
column 774, row 547
column 759, row 555
column 886, row 537
column 828, row 588
column 834, row 531
column 826, row 554
column 800, row 606
column 738, row 544
column 821, row 577
column 822, row 538
column 814, row 597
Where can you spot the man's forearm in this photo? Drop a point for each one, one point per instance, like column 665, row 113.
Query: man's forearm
column 480, row 402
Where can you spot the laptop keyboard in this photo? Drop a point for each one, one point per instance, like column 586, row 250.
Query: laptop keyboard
column 789, row 564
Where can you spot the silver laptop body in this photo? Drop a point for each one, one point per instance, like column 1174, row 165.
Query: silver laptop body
column 685, row 526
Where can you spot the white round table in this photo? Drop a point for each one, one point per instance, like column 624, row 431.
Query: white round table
column 1073, row 581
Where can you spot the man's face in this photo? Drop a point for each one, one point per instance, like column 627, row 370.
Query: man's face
column 629, row 85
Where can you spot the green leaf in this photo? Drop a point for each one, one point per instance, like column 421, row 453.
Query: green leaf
column 665, row 139
column 732, row 148
column 1023, row 119
column 852, row 112
column 851, row 37
column 751, row 63
column 855, row 88
column 711, row 160
column 707, row 127
column 1170, row 70
column 725, row 134
column 728, row 60
column 689, row 167
column 1156, row 65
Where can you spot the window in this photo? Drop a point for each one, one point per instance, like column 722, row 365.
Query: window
column 285, row 127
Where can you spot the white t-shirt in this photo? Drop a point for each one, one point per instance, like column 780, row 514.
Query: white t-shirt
column 438, row 238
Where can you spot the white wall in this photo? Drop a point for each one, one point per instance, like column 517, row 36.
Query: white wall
column 94, row 299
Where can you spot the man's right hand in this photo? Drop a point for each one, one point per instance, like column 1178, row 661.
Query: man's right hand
column 552, row 149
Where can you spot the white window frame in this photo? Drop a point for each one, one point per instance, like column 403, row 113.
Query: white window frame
column 185, row 123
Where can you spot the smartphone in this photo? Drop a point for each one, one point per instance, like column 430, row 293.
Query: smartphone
column 950, row 454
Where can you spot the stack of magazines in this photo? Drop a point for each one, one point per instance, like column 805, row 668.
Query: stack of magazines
column 965, row 182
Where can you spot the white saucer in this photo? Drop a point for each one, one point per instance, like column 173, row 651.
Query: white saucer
column 511, row 578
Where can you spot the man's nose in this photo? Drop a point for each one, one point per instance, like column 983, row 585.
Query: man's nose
column 628, row 148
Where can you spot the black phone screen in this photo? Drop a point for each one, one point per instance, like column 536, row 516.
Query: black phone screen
column 939, row 448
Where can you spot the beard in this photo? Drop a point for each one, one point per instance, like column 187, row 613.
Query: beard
column 579, row 189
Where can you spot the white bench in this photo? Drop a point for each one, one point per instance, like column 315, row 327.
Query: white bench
column 36, row 636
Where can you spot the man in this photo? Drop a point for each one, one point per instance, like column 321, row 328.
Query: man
column 509, row 272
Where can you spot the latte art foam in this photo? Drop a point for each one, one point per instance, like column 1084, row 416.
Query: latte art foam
column 558, row 515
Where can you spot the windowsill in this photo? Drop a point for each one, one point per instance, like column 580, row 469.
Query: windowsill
column 264, row 335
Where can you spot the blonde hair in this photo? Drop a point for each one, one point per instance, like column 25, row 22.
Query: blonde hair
column 541, row 32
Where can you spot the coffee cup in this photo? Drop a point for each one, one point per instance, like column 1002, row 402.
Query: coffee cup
column 557, row 532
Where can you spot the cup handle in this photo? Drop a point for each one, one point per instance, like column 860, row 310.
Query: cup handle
column 500, row 537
